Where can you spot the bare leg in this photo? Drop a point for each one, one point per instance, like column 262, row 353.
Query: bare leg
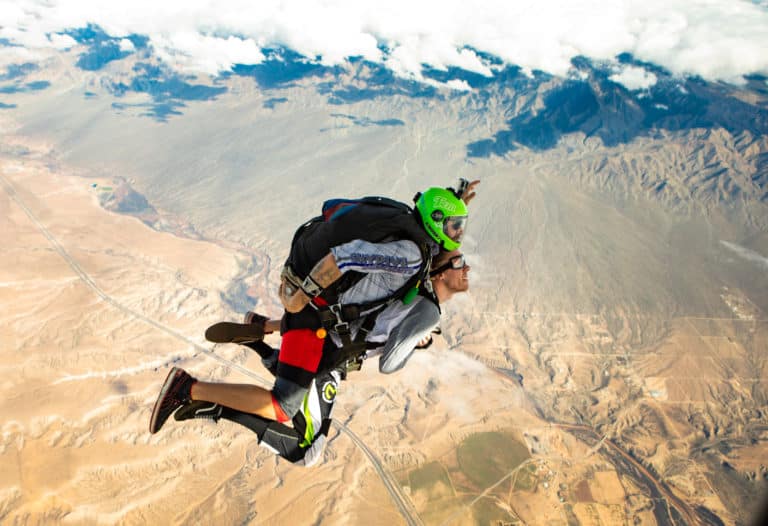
column 243, row 397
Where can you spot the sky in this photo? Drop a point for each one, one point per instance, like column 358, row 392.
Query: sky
column 719, row 40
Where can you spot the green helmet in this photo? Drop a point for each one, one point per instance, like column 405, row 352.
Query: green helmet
column 444, row 216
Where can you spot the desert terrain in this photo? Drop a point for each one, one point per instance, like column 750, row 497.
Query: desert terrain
column 607, row 367
column 97, row 306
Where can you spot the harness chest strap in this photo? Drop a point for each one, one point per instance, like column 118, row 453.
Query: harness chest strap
column 337, row 317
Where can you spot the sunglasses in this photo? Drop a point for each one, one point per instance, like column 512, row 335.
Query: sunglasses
column 456, row 263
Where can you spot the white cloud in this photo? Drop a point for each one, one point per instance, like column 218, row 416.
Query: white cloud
column 634, row 78
column 127, row 45
column 716, row 39
column 197, row 52
column 59, row 41
column 456, row 85
column 459, row 85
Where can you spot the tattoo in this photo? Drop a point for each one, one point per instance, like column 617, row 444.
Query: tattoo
column 326, row 271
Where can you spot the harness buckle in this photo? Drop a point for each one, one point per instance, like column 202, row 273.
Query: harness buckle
column 341, row 326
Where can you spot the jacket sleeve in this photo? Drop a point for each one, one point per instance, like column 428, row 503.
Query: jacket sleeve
column 403, row 337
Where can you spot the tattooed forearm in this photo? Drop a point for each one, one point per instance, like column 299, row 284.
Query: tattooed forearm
column 326, row 271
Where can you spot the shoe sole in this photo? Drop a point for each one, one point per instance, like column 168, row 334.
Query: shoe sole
column 229, row 332
column 153, row 428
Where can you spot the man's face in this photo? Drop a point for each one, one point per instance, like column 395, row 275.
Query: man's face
column 455, row 279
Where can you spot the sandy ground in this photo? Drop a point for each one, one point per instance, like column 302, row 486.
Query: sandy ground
column 94, row 309
column 81, row 368
column 96, row 306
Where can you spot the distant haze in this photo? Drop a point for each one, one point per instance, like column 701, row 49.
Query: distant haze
column 714, row 39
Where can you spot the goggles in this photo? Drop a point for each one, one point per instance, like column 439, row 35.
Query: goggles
column 453, row 227
column 455, row 263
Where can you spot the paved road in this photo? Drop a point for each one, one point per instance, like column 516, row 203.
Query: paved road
column 402, row 501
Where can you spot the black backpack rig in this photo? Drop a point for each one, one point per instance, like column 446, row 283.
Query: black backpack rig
column 373, row 219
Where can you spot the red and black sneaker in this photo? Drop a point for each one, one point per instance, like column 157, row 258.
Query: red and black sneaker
column 199, row 409
column 176, row 391
column 228, row 332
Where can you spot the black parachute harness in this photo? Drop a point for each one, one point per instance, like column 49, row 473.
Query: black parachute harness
column 337, row 317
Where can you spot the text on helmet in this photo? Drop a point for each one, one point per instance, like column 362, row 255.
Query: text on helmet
column 444, row 204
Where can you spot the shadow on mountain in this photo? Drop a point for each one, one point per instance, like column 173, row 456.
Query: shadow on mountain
column 273, row 102
column 25, row 88
column 365, row 121
column 102, row 48
column 599, row 107
column 159, row 111
column 16, row 71
column 364, row 80
column 281, row 69
column 359, row 80
column 504, row 75
column 167, row 89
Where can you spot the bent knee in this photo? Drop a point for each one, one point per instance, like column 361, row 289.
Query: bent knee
column 288, row 396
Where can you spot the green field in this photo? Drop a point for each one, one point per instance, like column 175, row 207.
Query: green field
column 443, row 488
column 526, row 478
column 429, row 475
column 487, row 457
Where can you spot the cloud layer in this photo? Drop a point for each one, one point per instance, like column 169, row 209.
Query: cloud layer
column 716, row 39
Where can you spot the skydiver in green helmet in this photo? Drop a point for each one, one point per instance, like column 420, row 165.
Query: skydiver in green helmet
column 315, row 333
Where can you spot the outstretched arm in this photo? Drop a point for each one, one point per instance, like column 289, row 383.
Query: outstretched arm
column 407, row 333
